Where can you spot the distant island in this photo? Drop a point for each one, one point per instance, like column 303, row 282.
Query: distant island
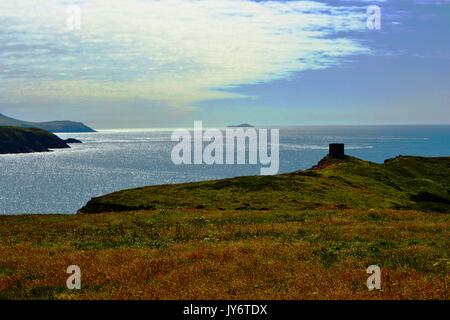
column 243, row 125
column 72, row 140
column 52, row 126
column 27, row 140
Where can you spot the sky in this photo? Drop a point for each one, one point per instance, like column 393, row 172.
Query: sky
column 167, row 63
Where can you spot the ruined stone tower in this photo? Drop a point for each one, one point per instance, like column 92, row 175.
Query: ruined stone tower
column 337, row 150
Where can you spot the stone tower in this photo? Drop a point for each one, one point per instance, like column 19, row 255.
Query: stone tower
column 337, row 150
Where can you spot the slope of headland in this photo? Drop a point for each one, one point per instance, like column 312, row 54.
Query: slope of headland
column 292, row 236
column 27, row 140
column 402, row 183
column 52, row 126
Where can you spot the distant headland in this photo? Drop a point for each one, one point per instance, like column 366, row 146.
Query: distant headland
column 52, row 126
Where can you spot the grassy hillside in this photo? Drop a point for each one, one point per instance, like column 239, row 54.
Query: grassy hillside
column 52, row 126
column 24, row 140
column 291, row 236
column 400, row 183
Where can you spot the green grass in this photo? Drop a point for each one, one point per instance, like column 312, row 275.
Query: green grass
column 401, row 183
column 6, row 130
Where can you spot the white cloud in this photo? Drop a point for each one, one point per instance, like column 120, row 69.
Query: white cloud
column 174, row 51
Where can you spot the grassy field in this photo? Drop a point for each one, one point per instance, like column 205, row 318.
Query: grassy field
column 204, row 247
column 204, row 254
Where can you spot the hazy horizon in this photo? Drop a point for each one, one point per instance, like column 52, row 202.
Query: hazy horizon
column 278, row 126
column 222, row 125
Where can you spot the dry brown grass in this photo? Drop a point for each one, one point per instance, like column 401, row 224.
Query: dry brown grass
column 212, row 254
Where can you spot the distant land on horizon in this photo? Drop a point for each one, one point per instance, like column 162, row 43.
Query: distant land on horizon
column 52, row 126
column 243, row 125
column 260, row 125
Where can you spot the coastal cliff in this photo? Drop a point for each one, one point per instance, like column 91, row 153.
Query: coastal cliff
column 27, row 140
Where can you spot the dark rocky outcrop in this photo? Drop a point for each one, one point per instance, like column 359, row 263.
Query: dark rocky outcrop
column 27, row 140
column 72, row 140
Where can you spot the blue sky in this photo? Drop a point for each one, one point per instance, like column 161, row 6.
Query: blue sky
column 148, row 63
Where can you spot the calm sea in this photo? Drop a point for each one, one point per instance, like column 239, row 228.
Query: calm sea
column 64, row 180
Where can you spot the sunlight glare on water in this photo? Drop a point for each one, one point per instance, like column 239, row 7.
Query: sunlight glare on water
column 62, row 181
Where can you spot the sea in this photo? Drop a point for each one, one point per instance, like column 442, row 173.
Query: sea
column 62, row 181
